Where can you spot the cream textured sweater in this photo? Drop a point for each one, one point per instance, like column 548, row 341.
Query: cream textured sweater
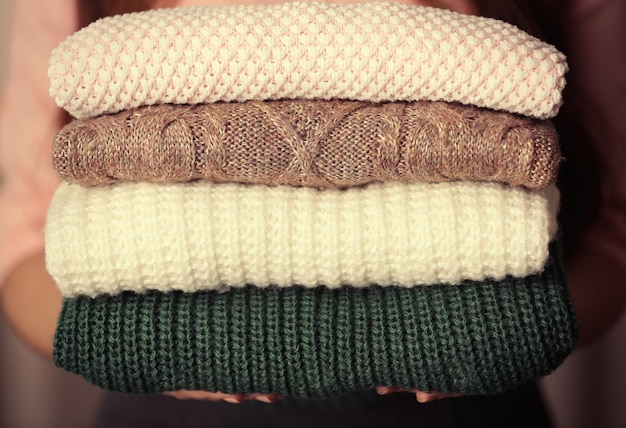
column 370, row 52
column 201, row 235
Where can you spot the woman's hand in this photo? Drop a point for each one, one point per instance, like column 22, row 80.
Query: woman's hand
column 421, row 396
column 184, row 394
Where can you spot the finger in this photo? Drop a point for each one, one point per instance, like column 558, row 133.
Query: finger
column 235, row 398
column 184, row 394
column 384, row 390
column 265, row 398
column 425, row 397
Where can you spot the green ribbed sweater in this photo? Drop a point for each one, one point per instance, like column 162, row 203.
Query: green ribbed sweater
column 476, row 338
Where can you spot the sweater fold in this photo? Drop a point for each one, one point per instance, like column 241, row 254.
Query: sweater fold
column 477, row 338
column 321, row 144
column 202, row 235
column 309, row 50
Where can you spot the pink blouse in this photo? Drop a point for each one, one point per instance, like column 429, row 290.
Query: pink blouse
column 28, row 181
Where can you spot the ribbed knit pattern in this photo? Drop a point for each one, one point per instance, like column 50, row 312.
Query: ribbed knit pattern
column 475, row 338
column 370, row 52
column 201, row 235
column 313, row 143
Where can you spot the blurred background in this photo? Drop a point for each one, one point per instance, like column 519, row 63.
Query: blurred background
column 587, row 391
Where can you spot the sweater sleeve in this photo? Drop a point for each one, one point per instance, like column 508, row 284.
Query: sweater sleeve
column 28, row 121
column 597, row 42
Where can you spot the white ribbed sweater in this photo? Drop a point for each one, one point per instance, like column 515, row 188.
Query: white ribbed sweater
column 201, row 235
column 369, row 51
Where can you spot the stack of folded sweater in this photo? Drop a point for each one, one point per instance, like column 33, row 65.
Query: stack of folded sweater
column 308, row 199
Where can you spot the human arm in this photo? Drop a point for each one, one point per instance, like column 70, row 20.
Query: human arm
column 28, row 122
column 596, row 266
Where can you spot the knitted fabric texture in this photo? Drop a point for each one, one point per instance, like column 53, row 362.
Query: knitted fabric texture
column 201, row 235
column 312, row 143
column 476, row 338
column 369, row 52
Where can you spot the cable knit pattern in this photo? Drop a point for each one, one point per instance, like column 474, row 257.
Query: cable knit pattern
column 370, row 52
column 312, row 143
column 200, row 235
column 476, row 338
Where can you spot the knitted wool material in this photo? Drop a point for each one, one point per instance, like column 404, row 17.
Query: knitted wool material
column 368, row 52
column 201, row 235
column 476, row 338
column 312, row 143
